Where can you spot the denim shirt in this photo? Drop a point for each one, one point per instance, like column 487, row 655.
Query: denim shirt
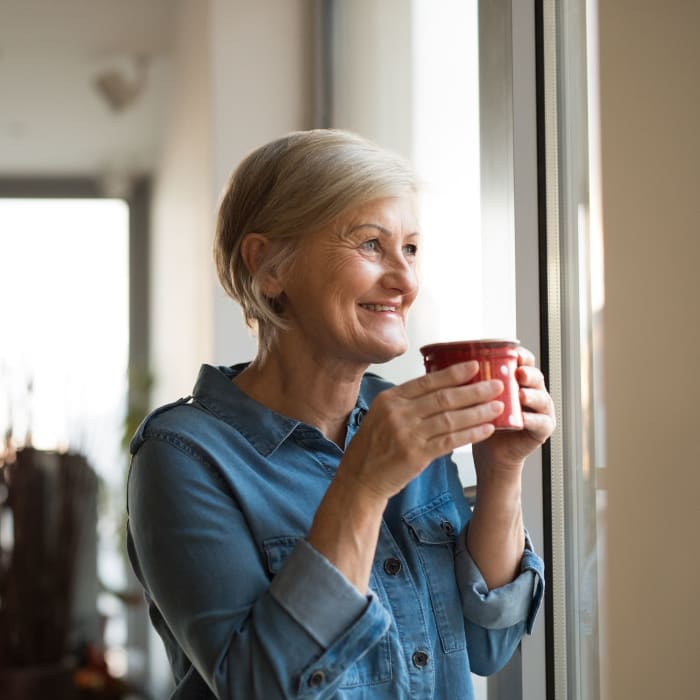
column 221, row 495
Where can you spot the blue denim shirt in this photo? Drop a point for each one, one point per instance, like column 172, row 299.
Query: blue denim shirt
column 222, row 492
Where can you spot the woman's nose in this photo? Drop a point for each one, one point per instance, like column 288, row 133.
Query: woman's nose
column 400, row 274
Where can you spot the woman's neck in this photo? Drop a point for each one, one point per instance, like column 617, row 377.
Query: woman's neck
column 315, row 391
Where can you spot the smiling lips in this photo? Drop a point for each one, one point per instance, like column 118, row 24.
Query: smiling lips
column 379, row 307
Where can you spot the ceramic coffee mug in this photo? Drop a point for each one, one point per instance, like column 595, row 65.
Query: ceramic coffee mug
column 498, row 359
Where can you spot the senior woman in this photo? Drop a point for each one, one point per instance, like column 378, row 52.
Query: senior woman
column 297, row 523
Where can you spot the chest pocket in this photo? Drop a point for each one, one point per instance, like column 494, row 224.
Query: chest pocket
column 435, row 527
column 375, row 666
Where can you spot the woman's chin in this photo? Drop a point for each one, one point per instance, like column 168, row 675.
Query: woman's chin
column 389, row 351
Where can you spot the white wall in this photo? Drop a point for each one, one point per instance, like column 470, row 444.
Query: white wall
column 261, row 67
column 241, row 76
column 650, row 112
column 183, row 202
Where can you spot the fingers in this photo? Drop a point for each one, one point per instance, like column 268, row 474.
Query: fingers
column 444, row 444
column 533, row 393
column 436, row 422
column 447, row 390
column 457, row 397
column 452, row 409
column 525, row 357
column 451, row 376
column 538, row 408
column 539, row 425
column 535, row 400
column 530, row 376
column 458, row 421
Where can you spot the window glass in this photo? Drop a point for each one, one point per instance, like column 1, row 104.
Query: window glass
column 64, row 355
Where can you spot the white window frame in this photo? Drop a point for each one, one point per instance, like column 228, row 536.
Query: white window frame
column 510, row 221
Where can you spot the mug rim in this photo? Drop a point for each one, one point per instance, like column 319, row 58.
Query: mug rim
column 466, row 344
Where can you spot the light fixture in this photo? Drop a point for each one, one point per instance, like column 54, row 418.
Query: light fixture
column 119, row 89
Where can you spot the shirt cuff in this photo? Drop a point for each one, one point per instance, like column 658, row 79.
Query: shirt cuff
column 516, row 602
column 317, row 595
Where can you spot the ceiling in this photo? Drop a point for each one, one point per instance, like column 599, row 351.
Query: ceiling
column 54, row 120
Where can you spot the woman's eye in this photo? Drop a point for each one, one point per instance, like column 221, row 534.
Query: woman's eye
column 371, row 245
column 410, row 249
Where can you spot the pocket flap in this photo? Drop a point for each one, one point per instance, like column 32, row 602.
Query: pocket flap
column 437, row 522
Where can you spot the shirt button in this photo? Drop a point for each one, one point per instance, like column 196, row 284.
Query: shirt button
column 392, row 566
column 316, row 679
column 420, row 659
column 447, row 527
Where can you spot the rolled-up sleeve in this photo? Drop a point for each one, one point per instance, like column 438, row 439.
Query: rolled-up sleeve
column 247, row 636
column 497, row 618
column 508, row 605
column 316, row 594
column 331, row 610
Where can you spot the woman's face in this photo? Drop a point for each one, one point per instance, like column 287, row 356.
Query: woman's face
column 351, row 284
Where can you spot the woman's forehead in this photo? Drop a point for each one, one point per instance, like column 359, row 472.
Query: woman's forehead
column 388, row 215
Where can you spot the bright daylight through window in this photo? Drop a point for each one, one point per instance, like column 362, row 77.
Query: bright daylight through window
column 63, row 365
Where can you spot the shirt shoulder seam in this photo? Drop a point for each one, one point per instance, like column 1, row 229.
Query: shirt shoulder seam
column 187, row 447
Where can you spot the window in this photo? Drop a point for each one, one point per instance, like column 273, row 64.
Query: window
column 67, row 345
column 575, row 299
column 522, row 259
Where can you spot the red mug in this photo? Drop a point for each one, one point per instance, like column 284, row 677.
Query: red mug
column 498, row 359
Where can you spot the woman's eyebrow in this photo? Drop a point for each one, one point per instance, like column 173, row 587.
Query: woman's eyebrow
column 379, row 227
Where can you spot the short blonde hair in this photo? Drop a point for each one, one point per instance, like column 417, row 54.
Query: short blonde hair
column 287, row 189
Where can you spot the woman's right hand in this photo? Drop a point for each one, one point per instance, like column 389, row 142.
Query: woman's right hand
column 410, row 425
column 405, row 429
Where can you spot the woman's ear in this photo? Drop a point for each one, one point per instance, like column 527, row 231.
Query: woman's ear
column 255, row 247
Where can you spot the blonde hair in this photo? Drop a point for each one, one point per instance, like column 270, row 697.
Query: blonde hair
column 287, row 189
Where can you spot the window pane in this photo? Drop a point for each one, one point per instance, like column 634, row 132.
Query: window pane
column 64, row 352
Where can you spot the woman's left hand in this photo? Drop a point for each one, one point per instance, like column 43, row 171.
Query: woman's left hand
column 507, row 449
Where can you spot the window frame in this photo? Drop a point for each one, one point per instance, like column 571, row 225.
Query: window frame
column 510, row 100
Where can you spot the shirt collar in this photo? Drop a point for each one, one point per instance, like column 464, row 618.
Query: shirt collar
column 262, row 427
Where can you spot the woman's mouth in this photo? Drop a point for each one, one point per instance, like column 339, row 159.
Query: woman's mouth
column 378, row 307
